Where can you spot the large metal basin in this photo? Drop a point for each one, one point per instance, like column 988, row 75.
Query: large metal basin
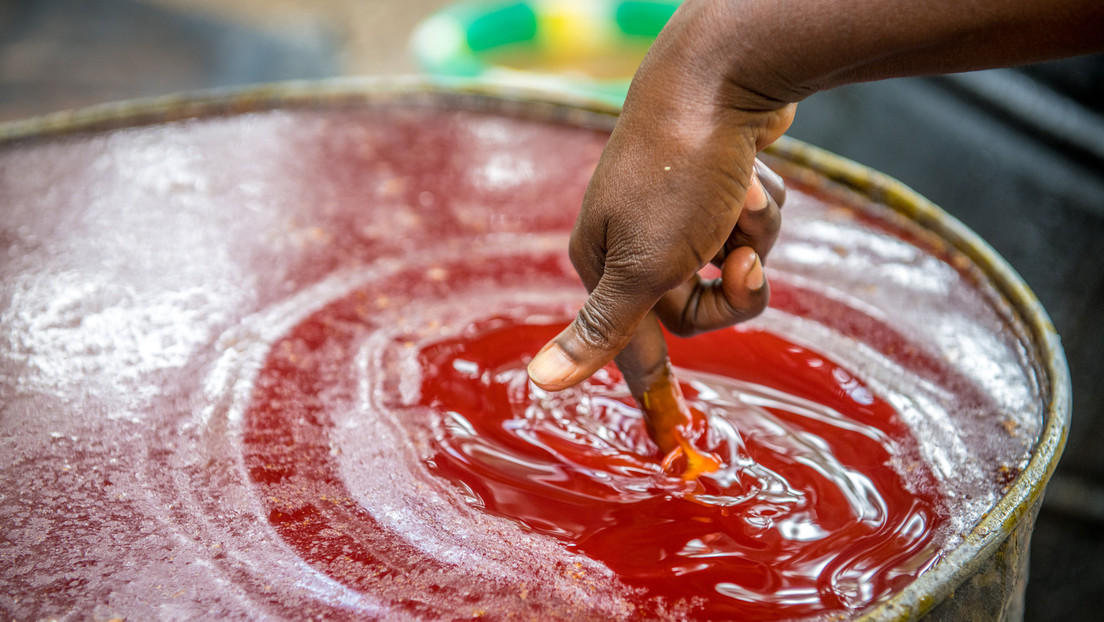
column 155, row 250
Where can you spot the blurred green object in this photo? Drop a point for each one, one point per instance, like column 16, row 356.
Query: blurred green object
column 585, row 47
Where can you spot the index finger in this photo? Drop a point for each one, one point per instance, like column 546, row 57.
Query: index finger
column 603, row 327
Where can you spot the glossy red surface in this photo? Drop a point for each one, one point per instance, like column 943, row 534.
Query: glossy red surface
column 805, row 516
column 271, row 365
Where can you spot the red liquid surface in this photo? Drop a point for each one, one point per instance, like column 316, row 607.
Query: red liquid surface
column 806, row 516
column 272, row 366
column 810, row 513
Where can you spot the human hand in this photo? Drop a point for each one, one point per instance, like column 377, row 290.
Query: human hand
column 663, row 202
column 674, row 188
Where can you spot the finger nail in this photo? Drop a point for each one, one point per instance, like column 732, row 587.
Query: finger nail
column 551, row 366
column 756, row 198
column 755, row 279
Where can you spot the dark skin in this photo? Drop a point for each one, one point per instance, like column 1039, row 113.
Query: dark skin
column 679, row 186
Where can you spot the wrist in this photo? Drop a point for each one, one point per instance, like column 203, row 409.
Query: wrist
column 730, row 53
column 713, row 68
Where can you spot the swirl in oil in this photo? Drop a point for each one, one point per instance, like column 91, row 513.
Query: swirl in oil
column 401, row 453
column 806, row 514
column 397, row 450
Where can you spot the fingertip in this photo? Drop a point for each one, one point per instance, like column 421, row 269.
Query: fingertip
column 755, row 279
column 739, row 263
column 756, row 198
column 744, row 280
column 552, row 369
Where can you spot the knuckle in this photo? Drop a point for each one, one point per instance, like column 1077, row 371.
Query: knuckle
column 599, row 329
column 639, row 277
column 586, row 260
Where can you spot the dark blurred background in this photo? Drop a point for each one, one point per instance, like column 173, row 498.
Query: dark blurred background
column 1016, row 154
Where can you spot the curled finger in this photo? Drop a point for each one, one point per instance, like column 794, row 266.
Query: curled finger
column 760, row 218
column 699, row 305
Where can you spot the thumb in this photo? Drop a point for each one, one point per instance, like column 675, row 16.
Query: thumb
column 602, row 328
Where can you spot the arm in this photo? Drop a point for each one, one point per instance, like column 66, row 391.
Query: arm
column 675, row 188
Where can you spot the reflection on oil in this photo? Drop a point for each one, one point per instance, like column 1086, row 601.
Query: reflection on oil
column 805, row 515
